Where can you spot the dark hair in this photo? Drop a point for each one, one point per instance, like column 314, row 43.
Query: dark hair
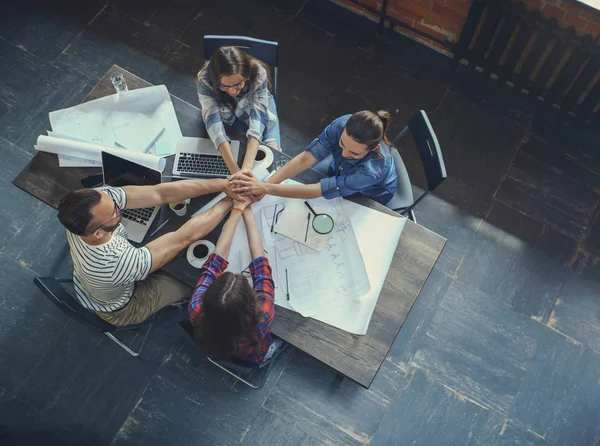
column 366, row 127
column 75, row 210
column 228, row 60
column 228, row 313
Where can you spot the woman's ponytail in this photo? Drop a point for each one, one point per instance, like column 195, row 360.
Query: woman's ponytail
column 385, row 117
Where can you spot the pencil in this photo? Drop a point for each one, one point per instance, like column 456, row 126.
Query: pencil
column 287, row 285
column 160, row 227
column 307, row 222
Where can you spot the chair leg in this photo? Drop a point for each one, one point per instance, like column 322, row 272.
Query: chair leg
column 128, row 349
column 238, row 377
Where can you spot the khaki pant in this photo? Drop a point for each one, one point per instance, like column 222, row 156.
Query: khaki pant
column 157, row 291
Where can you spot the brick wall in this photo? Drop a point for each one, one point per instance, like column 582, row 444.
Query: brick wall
column 444, row 19
column 586, row 20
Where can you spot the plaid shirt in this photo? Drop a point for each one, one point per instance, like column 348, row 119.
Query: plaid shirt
column 252, row 108
column 264, row 289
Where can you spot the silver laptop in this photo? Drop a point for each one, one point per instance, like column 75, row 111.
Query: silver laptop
column 198, row 157
column 120, row 172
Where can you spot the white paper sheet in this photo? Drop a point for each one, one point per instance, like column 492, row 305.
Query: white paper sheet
column 92, row 152
column 139, row 135
column 377, row 235
column 102, row 121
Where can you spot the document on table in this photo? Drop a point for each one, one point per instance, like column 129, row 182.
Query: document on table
column 377, row 235
column 317, row 279
column 295, row 222
column 140, row 120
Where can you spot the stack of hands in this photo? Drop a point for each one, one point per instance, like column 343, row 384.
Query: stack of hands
column 243, row 186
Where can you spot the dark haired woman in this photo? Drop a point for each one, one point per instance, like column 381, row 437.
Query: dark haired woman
column 360, row 162
column 233, row 88
column 231, row 319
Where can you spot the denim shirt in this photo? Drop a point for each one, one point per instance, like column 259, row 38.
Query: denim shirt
column 373, row 176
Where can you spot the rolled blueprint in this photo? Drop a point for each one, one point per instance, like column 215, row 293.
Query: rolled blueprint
column 92, row 152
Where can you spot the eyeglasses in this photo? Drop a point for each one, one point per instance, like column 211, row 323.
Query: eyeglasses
column 237, row 86
column 117, row 210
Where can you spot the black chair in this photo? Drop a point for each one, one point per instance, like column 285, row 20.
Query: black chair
column 253, row 375
column 264, row 50
column 431, row 158
column 55, row 290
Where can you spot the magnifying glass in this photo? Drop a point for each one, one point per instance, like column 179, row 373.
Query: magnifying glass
column 322, row 223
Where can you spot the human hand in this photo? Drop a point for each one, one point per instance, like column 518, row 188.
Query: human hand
column 242, row 203
column 247, row 184
column 240, row 174
column 256, row 198
column 228, row 190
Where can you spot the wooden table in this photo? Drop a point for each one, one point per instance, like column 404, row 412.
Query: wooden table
column 356, row 357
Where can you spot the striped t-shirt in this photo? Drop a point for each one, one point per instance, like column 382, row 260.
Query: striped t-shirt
column 105, row 275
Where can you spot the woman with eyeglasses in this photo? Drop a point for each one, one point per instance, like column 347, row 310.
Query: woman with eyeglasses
column 232, row 319
column 352, row 151
column 233, row 89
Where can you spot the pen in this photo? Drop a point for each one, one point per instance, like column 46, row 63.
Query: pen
column 287, row 285
column 161, row 226
column 307, row 222
column 273, row 221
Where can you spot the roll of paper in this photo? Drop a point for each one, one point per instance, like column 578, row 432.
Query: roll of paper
column 92, row 152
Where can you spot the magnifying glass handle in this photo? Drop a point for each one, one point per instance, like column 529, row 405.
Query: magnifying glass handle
column 310, row 207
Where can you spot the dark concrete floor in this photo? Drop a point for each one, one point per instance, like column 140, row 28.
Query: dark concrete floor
column 503, row 345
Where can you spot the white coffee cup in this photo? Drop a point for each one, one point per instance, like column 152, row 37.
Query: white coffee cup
column 179, row 208
column 198, row 252
column 264, row 156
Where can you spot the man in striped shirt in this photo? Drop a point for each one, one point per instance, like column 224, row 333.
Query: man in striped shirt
column 112, row 277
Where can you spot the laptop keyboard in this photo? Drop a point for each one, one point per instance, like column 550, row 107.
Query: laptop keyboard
column 200, row 163
column 141, row 216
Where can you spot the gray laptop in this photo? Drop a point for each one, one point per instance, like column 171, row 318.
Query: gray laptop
column 120, row 172
column 198, row 157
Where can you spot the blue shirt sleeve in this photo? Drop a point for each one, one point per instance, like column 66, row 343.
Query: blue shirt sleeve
column 343, row 185
column 322, row 146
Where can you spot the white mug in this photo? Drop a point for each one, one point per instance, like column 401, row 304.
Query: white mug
column 179, row 208
column 198, row 252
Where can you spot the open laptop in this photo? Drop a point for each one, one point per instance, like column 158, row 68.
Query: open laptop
column 198, row 157
column 120, row 172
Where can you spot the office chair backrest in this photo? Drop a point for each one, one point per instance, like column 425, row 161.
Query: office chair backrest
column 56, row 292
column 429, row 149
column 264, row 50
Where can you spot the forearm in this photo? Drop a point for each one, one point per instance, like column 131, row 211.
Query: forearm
column 294, row 190
column 182, row 190
column 251, row 151
column 226, row 237
column 150, row 196
column 225, row 151
column 296, row 165
column 166, row 247
column 254, row 240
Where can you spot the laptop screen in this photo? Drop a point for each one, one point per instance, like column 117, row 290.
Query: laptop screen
column 120, row 172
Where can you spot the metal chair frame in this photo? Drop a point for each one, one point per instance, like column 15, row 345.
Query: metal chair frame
column 69, row 305
column 431, row 157
column 230, row 366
